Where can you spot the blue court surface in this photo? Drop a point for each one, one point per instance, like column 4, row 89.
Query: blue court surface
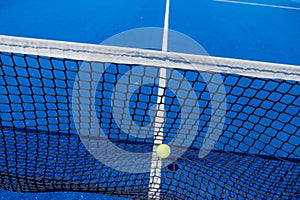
column 224, row 29
column 258, row 30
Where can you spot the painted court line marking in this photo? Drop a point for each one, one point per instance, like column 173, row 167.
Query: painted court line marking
column 156, row 163
column 259, row 4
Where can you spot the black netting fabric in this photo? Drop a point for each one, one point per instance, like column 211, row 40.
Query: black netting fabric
column 253, row 153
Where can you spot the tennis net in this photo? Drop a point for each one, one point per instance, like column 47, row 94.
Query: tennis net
column 233, row 125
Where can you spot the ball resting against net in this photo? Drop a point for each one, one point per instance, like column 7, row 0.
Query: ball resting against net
column 163, row 151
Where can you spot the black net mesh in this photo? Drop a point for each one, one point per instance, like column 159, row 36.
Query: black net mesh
column 255, row 157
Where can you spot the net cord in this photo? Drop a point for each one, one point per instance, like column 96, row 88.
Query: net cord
column 124, row 55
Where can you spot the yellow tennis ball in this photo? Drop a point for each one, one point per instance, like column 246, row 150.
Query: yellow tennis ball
column 163, row 150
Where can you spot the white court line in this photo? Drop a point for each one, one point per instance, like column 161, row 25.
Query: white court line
column 259, row 4
column 166, row 28
column 156, row 163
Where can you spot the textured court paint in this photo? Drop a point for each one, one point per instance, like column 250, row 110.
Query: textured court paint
column 6, row 195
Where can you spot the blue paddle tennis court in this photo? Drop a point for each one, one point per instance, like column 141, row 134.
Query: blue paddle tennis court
column 257, row 151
